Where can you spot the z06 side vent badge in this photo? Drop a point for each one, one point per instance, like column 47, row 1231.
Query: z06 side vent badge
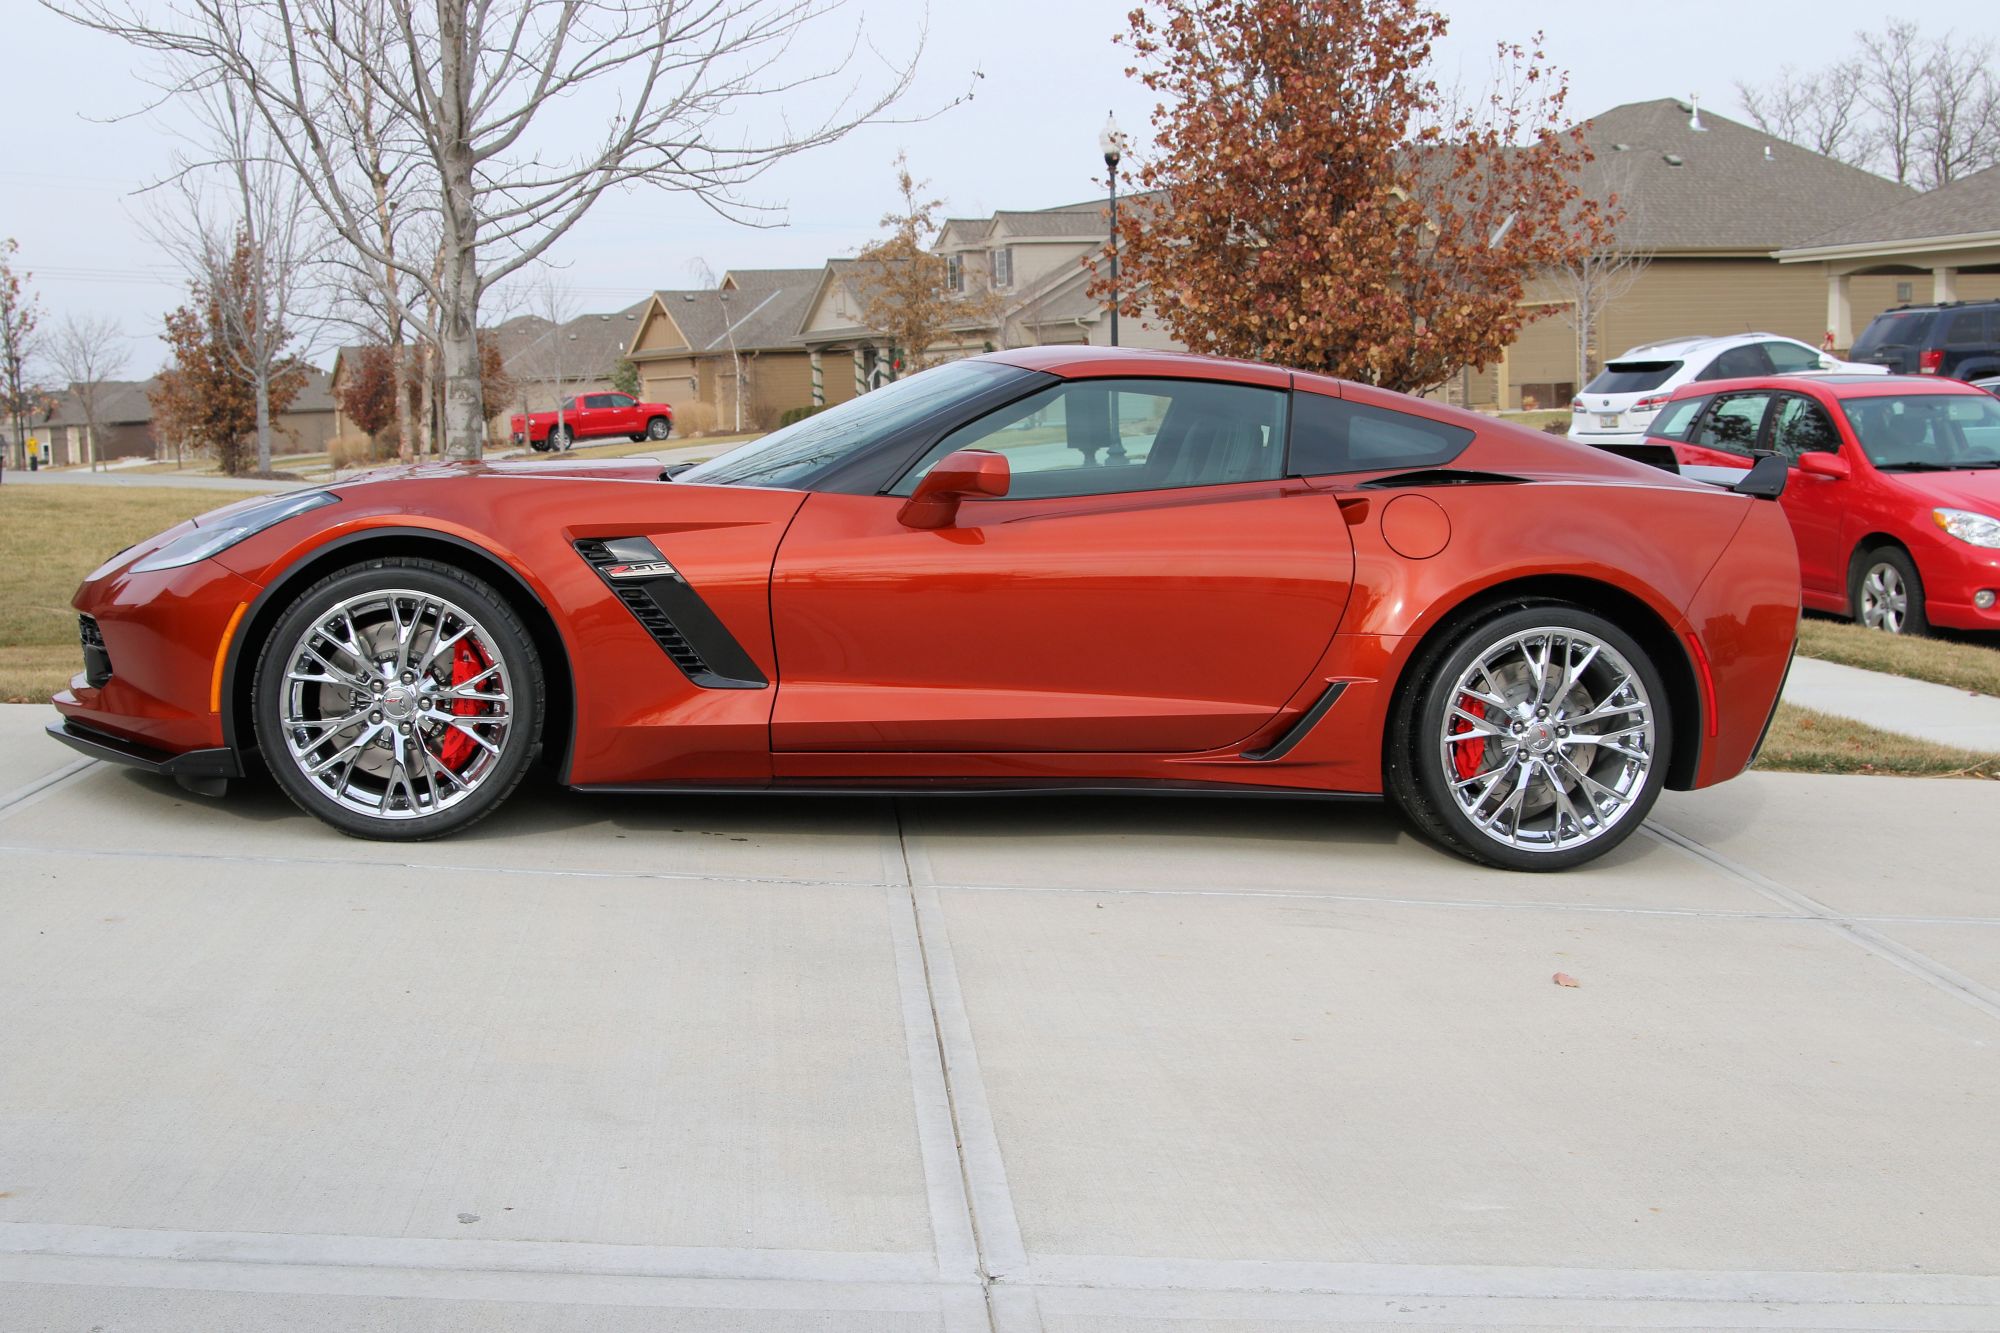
column 660, row 599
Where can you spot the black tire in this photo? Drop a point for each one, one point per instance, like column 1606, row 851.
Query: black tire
column 1414, row 764
column 1887, row 570
column 659, row 428
column 540, row 446
column 500, row 630
column 561, row 438
column 636, row 439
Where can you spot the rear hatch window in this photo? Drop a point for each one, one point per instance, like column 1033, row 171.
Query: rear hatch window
column 1632, row 376
column 1897, row 329
column 1674, row 419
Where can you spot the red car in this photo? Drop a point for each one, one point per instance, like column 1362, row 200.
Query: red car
column 593, row 416
column 1895, row 497
column 1049, row 569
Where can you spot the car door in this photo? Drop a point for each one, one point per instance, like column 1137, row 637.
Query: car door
column 1815, row 504
column 1724, row 442
column 591, row 414
column 1152, row 582
column 621, row 415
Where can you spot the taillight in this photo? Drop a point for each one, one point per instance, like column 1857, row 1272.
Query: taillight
column 1652, row 404
column 1576, row 404
column 1930, row 361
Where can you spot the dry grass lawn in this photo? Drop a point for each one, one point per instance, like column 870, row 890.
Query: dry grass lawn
column 50, row 537
column 1804, row 740
column 1963, row 664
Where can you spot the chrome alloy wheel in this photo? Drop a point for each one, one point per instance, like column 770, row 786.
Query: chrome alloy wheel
column 1548, row 739
column 1885, row 599
column 396, row 704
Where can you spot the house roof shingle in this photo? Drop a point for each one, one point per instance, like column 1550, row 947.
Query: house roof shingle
column 1967, row 206
column 1726, row 194
column 763, row 310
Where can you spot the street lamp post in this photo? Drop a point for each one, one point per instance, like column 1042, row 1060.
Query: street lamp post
column 1112, row 140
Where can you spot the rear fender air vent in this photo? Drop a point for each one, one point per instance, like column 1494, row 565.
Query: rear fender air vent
column 1439, row 476
column 662, row 600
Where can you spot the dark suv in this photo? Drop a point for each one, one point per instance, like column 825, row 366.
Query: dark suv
column 1960, row 340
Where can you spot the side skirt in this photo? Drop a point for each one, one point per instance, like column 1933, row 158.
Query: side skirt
column 1164, row 787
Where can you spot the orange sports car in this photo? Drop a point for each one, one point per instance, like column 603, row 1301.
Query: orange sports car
column 1061, row 568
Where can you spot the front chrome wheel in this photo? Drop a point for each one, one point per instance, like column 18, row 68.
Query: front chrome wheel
column 1885, row 598
column 1548, row 739
column 396, row 704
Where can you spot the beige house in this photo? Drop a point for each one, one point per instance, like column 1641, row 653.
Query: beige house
column 125, row 423
column 1708, row 201
column 1033, row 262
column 727, row 358
column 545, row 363
column 1941, row 246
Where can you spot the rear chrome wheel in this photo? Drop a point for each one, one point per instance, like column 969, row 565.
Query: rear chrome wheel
column 400, row 699
column 1540, row 740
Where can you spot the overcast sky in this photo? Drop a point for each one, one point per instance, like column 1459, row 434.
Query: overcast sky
column 1027, row 139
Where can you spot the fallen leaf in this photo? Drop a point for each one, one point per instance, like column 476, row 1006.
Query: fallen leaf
column 1564, row 979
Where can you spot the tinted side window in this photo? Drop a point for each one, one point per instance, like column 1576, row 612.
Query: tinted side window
column 1103, row 437
column 1334, row 435
column 1802, row 427
column 1732, row 427
column 1674, row 419
column 1738, row 363
column 1789, row 358
column 1896, row 329
column 617, row 400
column 1967, row 326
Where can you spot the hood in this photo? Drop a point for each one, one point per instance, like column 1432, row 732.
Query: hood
column 590, row 469
column 1977, row 491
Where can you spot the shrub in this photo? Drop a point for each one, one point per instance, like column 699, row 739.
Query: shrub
column 345, row 451
column 798, row 414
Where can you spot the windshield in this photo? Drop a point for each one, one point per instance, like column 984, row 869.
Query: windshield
column 1631, row 376
column 1931, row 432
column 801, row 451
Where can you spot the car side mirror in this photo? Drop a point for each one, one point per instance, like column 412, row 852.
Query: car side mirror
column 1827, row 363
column 967, row 473
column 1821, row 464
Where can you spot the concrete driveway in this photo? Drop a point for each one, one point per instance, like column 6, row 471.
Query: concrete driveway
column 786, row 1064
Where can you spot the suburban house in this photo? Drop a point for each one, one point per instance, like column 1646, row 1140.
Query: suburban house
column 1941, row 246
column 545, row 362
column 125, row 423
column 1717, row 210
column 728, row 357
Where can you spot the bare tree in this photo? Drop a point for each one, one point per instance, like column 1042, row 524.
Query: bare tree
column 19, row 341
column 253, row 239
column 1923, row 110
column 87, row 351
column 1893, row 86
column 1821, row 110
column 549, row 360
column 1594, row 280
column 464, row 86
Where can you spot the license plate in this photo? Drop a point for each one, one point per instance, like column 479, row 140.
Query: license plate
column 1607, row 422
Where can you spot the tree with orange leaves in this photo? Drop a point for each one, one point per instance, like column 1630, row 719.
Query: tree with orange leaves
column 1320, row 202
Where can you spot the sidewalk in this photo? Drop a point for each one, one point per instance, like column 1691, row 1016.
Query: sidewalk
column 1895, row 703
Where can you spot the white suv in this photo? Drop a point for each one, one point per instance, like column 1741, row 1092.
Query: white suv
column 1617, row 406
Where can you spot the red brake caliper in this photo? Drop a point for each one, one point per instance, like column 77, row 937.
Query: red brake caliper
column 466, row 664
column 1467, row 755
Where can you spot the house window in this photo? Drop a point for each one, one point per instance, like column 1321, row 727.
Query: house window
column 1904, row 291
column 954, row 273
column 1002, row 262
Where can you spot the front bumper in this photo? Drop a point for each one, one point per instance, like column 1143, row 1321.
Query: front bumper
column 192, row 766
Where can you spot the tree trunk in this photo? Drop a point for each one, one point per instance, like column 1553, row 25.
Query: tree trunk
column 263, row 421
column 458, row 337
column 406, row 436
column 458, row 314
column 427, row 402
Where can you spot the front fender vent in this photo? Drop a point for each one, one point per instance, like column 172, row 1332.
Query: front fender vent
column 670, row 610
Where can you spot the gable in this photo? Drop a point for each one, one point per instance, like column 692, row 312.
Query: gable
column 658, row 332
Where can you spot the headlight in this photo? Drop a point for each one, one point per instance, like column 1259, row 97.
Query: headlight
column 205, row 542
column 1976, row 529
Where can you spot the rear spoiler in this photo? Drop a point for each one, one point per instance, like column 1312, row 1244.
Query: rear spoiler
column 1766, row 478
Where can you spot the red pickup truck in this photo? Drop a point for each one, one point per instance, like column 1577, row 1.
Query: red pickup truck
column 593, row 416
